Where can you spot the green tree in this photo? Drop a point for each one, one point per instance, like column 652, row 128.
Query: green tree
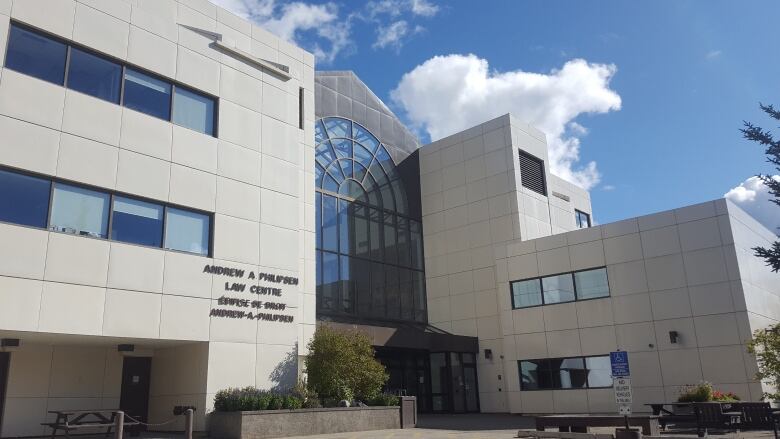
column 757, row 134
column 765, row 345
column 341, row 365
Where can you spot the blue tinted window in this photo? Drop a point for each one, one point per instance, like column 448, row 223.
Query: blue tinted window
column 36, row 55
column 24, row 199
column 187, row 231
column 147, row 94
column 95, row 76
column 137, row 222
column 193, row 110
column 79, row 211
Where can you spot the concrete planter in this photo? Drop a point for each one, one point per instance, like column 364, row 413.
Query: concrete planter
column 283, row 423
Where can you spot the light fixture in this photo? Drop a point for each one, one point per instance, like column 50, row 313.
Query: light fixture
column 125, row 347
column 673, row 336
column 488, row 354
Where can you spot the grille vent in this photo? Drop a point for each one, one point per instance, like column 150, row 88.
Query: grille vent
column 532, row 173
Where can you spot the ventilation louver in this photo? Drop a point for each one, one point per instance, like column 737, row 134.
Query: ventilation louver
column 532, row 173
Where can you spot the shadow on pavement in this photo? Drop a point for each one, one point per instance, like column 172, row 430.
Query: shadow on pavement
column 475, row 422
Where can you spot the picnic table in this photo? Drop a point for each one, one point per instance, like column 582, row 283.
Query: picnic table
column 735, row 415
column 68, row 420
column 581, row 423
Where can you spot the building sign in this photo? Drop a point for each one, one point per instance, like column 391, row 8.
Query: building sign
column 621, row 381
column 622, row 388
column 245, row 299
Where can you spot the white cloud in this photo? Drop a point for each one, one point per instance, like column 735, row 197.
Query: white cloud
column 395, row 8
column 753, row 196
column 290, row 20
column 712, row 54
column 447, row 94
column 424, row 8
column 391, row 35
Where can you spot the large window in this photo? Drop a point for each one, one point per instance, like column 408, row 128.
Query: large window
column 79, row 211
column 39, row 202
column 94, row 75
column 565, row 373
column 45, row 57
column 35, row 55
column 582, row 219
column 187, row 231
column 559, row 288
column 137, row 222
column 193, row 110
column 24, row 199
column 370, row 258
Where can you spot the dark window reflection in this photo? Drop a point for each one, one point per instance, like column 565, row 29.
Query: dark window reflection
column 565, row 373
column 95, row 76
column 368, row 248
column 36, row 55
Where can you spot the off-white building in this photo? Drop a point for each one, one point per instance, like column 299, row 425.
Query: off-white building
column 144, row 146
column 182, row 201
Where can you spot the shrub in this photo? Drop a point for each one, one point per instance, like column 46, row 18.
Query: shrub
column 728, row 396
column 309, row 398
column 251, row 399
column 704, row 392
column 384, row 399
column 341, row 365
column 701, row 392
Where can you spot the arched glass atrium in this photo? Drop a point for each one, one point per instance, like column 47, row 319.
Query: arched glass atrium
column 369, row 250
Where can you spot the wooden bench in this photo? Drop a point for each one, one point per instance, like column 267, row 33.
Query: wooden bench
column 581, row 423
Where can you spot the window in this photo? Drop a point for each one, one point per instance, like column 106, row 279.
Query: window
column 372, row 247
column 532, row 173
column 23, row 199
column 79, row 211
column 582, row 219
column 37, row 202
column 40, row 56
column 591, row 283
column 36, row 55
column 599, row 371
column 187, row 231
column 565, row 373
column 137, row 222
column 193, row 110
column 94, row 75
column 147, row 94
column 560, row 288
column 526, row 293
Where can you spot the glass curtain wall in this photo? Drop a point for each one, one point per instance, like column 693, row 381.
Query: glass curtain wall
column 369, row 250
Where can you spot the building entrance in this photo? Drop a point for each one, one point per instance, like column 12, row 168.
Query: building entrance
column 5, row 365
column 443, row 382
column 136, row 378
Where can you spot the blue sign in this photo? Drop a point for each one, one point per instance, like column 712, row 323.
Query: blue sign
column 619, row 362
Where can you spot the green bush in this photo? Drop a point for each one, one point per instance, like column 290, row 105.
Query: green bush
column 384, row 399
column 341, row 365
column 276, row 402
column 701, row 392
column 252, row 399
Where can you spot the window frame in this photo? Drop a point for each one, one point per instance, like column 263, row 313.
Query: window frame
column 574, row 282
column 124, row 66
column 577, row 214
column 111, row 194
column 584, row 359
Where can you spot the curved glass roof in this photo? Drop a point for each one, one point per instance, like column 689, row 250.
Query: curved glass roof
column 353, row 163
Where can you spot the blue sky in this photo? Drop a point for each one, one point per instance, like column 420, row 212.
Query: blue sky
column 671, row 81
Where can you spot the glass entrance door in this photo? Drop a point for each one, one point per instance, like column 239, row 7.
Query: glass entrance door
column 454, row 386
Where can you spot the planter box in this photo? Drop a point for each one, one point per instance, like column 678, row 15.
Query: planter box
column 282, row 423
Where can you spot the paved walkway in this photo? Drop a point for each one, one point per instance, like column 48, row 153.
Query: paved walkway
column 461, row 426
